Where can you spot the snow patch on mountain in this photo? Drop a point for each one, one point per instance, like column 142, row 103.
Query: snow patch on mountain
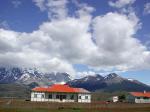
column 24, row 77
column 130, row 79
column 27, row 76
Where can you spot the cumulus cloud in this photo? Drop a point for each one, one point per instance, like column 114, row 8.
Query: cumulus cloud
column 60, row 43
column 56, row 8
column 117, row 47
column 121, row 3
column 30, row 50
column 147, row 8
column 55, row 46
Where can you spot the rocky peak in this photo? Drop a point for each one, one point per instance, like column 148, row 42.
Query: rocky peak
column 111, row 76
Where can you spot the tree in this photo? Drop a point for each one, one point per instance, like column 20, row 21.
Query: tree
column 122, row 98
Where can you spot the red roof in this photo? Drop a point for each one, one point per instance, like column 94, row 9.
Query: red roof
column 140, row 94
column 60, row 88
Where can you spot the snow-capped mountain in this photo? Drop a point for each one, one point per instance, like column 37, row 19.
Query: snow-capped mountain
column 110, row 82
column 28, row 76
column 33, row 77
column 111, row 76
column 8, row 75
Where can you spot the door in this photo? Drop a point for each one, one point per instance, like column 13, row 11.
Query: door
column 61, row 97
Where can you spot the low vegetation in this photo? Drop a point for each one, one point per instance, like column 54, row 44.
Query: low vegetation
column 14, row 90
column 18, row 105
column 105, row 96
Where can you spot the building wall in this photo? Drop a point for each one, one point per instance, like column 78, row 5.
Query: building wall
column 37, row 96
column 70, row 97
column 134, row 99
column 55, row 99
column 115, row 98
column 142, row 100
column 84, row 98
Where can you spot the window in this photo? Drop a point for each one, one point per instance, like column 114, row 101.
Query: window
column 146, row 98
column 138, row 97
column 42, row 96
column 57, row 96
column 61, row 97
column 64, row 96
column 71, row 96
column 79, row 97
column 86, row 97
column 35, row 95
column 50, row 96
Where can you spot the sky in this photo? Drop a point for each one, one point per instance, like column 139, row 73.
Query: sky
column 80, row 37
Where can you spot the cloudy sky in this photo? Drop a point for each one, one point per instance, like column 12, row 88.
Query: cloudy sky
column 79, row 37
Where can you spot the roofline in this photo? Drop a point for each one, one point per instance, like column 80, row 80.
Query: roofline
column 58, row 88
column 132, row 93
column 62, row 92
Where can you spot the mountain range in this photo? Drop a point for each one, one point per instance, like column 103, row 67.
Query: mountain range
column 26, row 79
column 29, row 76
column 109, row 83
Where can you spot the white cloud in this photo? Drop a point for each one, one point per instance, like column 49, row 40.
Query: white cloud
column 60, row 43
column 85, row 73
column 147, row 8
column 118, row 48
column 16, row 3
column 40, row 4
column 84, row 9
column 25, row 50
column 4, row 24
column 54, row 47
column 121, row 3
column 56, row 8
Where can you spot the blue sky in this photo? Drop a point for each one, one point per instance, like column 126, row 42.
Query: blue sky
column 34, row 21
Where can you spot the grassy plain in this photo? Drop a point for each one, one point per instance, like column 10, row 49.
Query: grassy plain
column 20, row 105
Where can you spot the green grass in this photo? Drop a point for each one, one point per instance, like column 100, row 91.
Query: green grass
column 18, row 105
column 70, row 110
column 40, row 110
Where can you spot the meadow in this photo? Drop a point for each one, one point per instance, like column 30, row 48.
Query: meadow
column 20, row 105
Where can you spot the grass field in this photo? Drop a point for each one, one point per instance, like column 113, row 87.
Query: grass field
column 14, row 105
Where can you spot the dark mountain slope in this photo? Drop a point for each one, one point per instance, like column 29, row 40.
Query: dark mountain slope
column 110, row 83
column 14, row 90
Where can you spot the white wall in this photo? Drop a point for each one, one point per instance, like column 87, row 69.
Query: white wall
column 84, row 98
column 115, row 98
column 141, row 100
column 41, row 96
column 53, row 99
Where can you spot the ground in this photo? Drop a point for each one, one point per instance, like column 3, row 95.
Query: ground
column 20, row 105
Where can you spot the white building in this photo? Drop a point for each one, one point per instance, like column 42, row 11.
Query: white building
column 115, row 98
column 139, row 97
column 60, row 93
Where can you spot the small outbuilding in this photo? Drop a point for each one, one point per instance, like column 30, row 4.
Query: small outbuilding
column 115, row 99
column 139, row 97
column 60, row 93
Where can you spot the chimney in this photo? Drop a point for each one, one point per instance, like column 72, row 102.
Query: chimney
column 144, row 91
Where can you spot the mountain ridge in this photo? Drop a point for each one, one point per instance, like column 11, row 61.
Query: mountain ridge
column 32, row 78
column 28, row 76
column 110, row 83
